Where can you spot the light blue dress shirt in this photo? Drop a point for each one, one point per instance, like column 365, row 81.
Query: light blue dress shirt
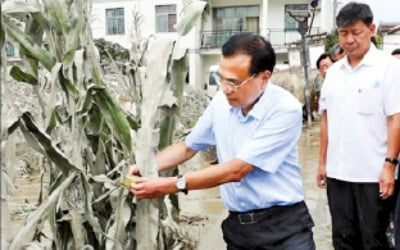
column 266, row 138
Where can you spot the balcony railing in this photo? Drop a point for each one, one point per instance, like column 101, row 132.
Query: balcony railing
column 215, row 39
column 277, row 37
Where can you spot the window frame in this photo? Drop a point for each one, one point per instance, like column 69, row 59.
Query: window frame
column 169, row 15
column 224, row 21
column 10, row 48
column 115, row 19
column 290, row 23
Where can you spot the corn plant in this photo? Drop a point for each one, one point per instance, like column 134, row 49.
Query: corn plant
column 83, row 132
column 159, row 94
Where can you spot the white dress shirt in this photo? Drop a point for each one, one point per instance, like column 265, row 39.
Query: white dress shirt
column 358, row 101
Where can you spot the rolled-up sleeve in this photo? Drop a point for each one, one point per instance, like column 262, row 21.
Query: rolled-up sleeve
column 271, row 144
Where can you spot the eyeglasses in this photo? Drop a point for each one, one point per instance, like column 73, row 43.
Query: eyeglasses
column 230, row 84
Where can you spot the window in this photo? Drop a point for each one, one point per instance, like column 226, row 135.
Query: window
column 165, row 18
column 290, row 23
column 244, row 18
column 10, row 50
column 115, row 21
column 228, row 21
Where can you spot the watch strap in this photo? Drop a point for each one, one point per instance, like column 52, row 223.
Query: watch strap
column 394, row 161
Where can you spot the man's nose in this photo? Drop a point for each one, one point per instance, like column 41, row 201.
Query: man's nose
column 349, row 38
column 226, row 89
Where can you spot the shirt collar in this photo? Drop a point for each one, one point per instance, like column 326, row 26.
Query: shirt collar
column 368, row 59
column 257, row 111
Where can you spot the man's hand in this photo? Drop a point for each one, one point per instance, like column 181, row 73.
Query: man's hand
column 386, row 181
column 153, row 187
column 134, row 170
column 321, row 176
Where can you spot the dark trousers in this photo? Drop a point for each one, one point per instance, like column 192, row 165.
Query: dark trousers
column 397, row 214
column 275, row 228
column 359, row 216
column 397, row 220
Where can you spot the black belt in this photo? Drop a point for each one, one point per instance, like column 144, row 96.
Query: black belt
column 254, row 216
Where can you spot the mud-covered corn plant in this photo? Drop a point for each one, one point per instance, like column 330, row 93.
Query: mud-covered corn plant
column 84, row 134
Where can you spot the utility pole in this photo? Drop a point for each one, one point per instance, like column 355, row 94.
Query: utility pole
column 301, row 16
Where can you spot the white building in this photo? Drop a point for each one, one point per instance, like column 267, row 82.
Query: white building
column 113, row 20
column 390, row 34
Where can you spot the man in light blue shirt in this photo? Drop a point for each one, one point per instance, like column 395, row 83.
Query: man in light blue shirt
column 255, row 126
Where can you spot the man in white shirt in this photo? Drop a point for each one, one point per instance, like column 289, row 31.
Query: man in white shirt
column 360, row 134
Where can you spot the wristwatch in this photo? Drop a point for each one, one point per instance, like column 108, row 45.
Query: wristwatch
column 181, row 184
column 394, row 161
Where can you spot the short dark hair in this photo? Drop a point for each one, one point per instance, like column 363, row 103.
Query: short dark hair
column 336, row 49
column 322, row 57
column 396, row 52
column 262, row 54
column 354, row 12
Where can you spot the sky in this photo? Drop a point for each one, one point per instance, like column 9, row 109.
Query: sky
column 384, row 10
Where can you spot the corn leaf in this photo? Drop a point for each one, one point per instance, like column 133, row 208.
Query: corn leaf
column 133, row 123
column 76, row 223
column 26, row 43
column 72, row 42
column 190, row 17
column 57, row 11
column 34, row 30
column 41, row 20
column 92, row 219
column 52, row 122
column 117, row 234
column 26, row 233
column 21, row 76
column 78, row 61
column 167, row 127
column 112, row 114
column 43, row 143
column 2, row 41
column 153, row 89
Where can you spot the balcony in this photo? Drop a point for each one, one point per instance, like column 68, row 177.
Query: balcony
column 215, row 39
column 279, row 38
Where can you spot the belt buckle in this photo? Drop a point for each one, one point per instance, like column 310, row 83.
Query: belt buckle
column 247, row 218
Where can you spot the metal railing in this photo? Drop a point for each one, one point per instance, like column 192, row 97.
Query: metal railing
column 215, row 39
column 277, row 37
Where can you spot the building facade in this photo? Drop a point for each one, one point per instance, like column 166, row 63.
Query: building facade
column 122, row 20
column 390, row 36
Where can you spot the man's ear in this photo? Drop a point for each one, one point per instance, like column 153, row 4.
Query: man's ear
column 266, row 75
column 372, row 28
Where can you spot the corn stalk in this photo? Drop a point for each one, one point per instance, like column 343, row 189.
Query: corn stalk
column 157, row 73
column 85, row 134
column 81, row 129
